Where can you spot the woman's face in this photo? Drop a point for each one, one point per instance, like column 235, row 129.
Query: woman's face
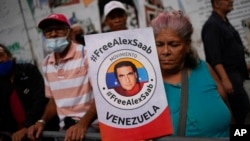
column 171, row 50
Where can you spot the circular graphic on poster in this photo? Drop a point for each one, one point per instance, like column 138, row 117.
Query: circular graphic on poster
column 126, row 79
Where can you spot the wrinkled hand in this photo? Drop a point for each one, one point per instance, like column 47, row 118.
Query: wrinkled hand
column 227, row 85
column 75, row 133
column 35, row 131
column 19, row 135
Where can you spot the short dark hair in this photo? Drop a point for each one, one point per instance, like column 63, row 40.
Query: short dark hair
column 5, row 49
column 126, row 63
column 212, row 2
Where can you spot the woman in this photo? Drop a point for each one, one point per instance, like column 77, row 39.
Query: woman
column 207, row 114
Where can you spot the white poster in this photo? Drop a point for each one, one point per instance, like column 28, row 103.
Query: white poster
column 128, row 85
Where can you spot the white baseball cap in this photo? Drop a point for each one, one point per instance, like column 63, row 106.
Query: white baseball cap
column 111, row 6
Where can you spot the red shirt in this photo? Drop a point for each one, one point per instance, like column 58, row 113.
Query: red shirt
column 134, row 91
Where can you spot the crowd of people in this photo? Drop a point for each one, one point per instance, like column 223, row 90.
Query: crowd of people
column 62, row 98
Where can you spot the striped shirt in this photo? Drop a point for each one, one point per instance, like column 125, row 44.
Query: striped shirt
column 68, row 82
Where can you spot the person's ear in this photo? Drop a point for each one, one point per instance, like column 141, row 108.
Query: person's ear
column 217, row 3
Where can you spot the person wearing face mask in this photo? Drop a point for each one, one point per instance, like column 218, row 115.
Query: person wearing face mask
column 67, row 83
column 78, row 34
column 22, row 98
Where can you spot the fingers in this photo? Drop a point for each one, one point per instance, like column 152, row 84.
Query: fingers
column 19, row 135
column 38, row 133
column 35, row 131
column 31, row 132
column 230, row 91
column 74, row 133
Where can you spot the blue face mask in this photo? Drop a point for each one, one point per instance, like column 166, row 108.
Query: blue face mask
column 5, row 68
column 57, row 45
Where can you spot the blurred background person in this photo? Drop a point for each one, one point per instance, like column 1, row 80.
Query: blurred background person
column 22, row 98
column 78, row 34
column 115, row 16
column 224, row 51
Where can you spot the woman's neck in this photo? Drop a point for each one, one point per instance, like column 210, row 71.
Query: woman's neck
column 172, row 77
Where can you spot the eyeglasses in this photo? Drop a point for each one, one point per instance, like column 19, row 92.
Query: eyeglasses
column 57, row 29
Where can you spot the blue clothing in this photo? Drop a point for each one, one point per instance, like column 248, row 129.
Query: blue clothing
column 208, row 115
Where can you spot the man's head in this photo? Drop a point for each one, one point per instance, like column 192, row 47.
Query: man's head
column 56, row 30
column 126, row 74
column 77, row 34
column 222, row 6
column 5, row 54
column 6, row 61
column 115, row 15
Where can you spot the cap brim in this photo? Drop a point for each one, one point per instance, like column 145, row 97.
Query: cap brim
column 48, row 22
column 114, row 9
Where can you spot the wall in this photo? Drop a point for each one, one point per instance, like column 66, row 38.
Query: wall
column 18, row 20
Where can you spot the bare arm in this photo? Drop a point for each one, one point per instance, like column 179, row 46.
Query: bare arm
column 78, row 131
column 50, row 110
column 221, row 91
column 226, row 83
column 90, row 116
column 35, row 130
column 219, row 84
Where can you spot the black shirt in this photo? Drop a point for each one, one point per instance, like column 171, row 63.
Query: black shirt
column 223, row 45
column 29, row 84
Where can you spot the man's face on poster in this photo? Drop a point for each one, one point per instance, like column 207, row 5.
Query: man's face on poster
column 126, row 77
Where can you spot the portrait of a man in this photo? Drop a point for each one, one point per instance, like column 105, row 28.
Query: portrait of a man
column 128, row 78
